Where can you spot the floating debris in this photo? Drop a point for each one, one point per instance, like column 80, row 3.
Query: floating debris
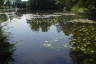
column 46, row 41
column 56, row 40
column 71, row 47
column 65, row 45
column 47, row 44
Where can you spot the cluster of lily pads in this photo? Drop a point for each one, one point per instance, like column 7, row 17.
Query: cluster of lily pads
column 84, row 45
column 84, row 39
column 50, row 44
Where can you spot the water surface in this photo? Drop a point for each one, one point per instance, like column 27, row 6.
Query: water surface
column 51, row 40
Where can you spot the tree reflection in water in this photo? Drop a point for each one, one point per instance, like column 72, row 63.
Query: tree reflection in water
column 6, row 49
column 44, row 24
column 83, row 42
column 40, row 24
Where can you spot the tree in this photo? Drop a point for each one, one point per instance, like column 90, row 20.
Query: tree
column 38, row 4
column 1, row 3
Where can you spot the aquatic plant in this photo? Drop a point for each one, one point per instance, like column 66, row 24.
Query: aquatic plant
column 3, row 18
column 84, row 45
column 84, row 39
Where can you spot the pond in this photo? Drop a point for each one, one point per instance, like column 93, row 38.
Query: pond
column 47, row 40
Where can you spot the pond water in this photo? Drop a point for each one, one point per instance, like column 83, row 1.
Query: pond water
column 51, row 40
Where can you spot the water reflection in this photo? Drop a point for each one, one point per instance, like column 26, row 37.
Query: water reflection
column 43, row 24
column 6, row 49
column 40, row 24
column 52, row 40
column 82, row 43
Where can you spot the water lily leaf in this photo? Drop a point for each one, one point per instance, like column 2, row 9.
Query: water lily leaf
column 47, row 44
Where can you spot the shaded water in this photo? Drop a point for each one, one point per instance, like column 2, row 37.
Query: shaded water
column 51, row 40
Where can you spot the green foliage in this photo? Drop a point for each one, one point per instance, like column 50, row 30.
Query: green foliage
column 70, row 5
column 73, row 5
column 84, row 39
column 3, row 17
column 84, row 44
column 1, row 3
column 84, row 4
column 41, row 5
